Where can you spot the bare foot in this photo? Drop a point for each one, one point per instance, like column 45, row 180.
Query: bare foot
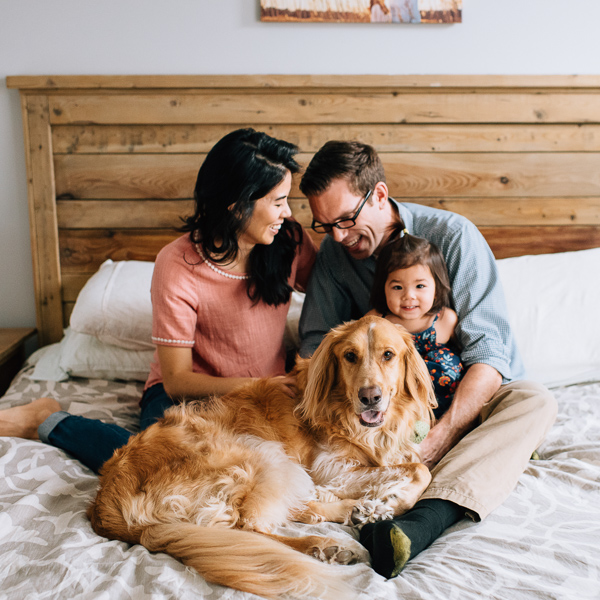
column 23, row 421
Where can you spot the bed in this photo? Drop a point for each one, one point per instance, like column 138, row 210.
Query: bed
column 111, row 163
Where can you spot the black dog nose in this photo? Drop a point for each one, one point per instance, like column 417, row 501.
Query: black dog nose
column 370, row 395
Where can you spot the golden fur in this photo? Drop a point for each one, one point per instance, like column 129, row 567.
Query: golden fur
column 208, row 478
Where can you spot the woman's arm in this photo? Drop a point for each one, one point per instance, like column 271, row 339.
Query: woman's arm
column 180, row 381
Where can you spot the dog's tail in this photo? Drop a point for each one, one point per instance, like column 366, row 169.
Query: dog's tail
column 248, row 561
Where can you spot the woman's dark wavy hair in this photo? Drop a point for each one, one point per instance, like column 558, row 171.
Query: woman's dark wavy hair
column 242, row 167
column 401, row 252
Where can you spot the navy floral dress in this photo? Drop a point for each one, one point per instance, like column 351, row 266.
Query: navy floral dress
column 443, row 363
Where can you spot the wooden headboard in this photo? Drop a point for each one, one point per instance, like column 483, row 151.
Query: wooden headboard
column 112, row 160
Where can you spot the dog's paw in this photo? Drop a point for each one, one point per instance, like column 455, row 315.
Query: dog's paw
column 369, row 511
column 337, row 553
column 324, row 494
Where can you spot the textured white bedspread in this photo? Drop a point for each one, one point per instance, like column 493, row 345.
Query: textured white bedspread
column 543, row 543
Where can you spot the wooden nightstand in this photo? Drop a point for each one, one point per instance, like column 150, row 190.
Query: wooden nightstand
column 12, row 353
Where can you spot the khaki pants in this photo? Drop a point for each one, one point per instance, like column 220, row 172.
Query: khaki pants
column 483, row 468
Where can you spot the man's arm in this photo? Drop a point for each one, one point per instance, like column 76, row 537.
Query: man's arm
column 483, row 329
column 476, row 388
column 338, row 291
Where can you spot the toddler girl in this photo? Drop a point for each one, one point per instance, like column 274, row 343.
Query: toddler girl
column 412, row 289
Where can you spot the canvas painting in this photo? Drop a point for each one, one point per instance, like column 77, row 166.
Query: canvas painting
column 362, row 11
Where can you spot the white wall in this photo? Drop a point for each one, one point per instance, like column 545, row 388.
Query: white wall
column 61, row 37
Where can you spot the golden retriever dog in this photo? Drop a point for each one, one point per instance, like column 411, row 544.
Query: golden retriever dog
column 210, row 481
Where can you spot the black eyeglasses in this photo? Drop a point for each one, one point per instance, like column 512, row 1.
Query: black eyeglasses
column 345, row 223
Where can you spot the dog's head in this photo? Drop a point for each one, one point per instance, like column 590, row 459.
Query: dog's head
column 367, row 371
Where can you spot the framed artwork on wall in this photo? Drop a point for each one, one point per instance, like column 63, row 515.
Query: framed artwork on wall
column 362, row 11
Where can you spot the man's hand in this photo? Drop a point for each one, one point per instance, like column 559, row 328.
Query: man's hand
column 477, row 387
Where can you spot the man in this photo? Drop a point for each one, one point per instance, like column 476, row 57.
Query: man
column 479, row 448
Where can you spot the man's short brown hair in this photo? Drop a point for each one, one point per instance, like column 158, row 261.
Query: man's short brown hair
column 357, row 163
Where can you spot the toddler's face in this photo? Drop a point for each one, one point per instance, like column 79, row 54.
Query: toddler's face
column 410, row 292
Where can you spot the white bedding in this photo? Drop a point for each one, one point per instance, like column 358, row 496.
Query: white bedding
column 542, row 543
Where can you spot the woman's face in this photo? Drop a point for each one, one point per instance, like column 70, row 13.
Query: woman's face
column 268, row 215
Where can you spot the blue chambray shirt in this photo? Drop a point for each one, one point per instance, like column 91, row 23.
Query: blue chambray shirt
column 340, row 287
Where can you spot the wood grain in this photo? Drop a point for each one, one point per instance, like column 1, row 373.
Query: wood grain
column 307, row 107
column 199, row 138
column 121, row 177
column 85, row 250
column 507, row 242
column 42, row 217
column 122, row 214
column 409, row 175
column 94, row 83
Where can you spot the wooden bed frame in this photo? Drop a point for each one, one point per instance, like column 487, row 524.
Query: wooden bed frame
column 112, row 160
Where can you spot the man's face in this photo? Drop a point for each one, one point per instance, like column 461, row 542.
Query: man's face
column 338, row 202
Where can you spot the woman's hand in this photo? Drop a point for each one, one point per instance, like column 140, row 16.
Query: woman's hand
column 288, row 383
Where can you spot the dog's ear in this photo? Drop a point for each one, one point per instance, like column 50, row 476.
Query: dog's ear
column 321, row 377
column 417, row 381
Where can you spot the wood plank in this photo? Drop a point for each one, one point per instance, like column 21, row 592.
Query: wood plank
column 184, row 139
column 491, row 174
column 136, row 82
column 85, row 250
column 416, row 175
column 42, row 218
column 520, row 211
column 310, row 107
column 73, row 283
column 507, row 242
column 119, row 177
column 119, row 214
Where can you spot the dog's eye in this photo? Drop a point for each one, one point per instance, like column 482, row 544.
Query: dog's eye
column 350, row 357
column 388, row 355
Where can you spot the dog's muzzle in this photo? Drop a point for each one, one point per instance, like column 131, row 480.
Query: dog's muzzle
column 370, row 398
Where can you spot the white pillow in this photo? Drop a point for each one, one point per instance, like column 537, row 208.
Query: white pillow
column 553, row 302
column 114, row 305
column 82, row 355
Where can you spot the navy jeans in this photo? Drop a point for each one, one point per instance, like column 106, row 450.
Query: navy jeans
column 93, row 442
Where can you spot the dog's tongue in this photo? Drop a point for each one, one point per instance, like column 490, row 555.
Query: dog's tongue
column 371, row 416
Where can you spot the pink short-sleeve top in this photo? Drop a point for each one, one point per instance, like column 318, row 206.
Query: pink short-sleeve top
column 199, row 305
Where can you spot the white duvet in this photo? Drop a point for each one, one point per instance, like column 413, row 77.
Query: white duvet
column 543, row 543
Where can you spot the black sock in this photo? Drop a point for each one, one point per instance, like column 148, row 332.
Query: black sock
column 392, row 544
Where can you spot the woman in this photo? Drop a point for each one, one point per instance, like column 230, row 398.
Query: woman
column 220, row 296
